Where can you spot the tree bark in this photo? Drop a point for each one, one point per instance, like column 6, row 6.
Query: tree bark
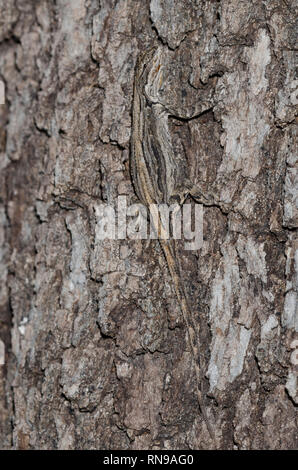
column 94, row 352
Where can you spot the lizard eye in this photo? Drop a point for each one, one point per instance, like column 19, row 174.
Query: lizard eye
column 175, row 199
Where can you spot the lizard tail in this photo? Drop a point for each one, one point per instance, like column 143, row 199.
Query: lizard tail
column 169, row 253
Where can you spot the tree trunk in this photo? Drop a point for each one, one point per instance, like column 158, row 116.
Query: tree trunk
column 94, row 351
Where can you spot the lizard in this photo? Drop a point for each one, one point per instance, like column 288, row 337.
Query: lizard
column 154, row 173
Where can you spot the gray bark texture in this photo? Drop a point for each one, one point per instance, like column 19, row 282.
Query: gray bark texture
column 94, row 352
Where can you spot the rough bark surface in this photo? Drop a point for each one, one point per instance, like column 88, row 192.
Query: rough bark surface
column 93, row 348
